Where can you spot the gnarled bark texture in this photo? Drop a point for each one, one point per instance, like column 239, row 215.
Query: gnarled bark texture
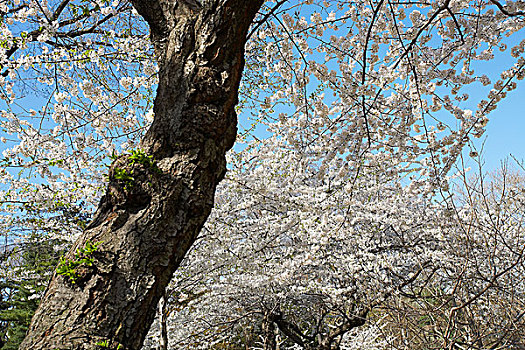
column 148, row 220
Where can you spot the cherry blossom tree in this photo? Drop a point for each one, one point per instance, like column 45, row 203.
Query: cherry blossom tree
column 342, row 212
column 105, row 286
column 381, row 271
column 342, row 230
column 476, row 300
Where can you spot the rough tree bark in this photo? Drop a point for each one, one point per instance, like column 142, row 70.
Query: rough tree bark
column 148, row 219
column 163, row 339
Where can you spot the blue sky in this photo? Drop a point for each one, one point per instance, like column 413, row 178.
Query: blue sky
column 506, row 129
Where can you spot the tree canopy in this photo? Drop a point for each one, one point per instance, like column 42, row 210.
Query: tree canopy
column 346, row 218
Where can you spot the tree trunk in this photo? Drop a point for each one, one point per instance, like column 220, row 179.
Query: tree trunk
column 268, row 331
column 163, row 327
column 152, row 212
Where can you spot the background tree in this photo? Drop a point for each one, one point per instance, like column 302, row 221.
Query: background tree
column 476, row 300
column 29, row 256
column 26, row 270
column 425, row 274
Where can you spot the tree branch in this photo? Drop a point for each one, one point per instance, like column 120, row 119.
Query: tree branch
column 505, row 12
column 154, row 14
